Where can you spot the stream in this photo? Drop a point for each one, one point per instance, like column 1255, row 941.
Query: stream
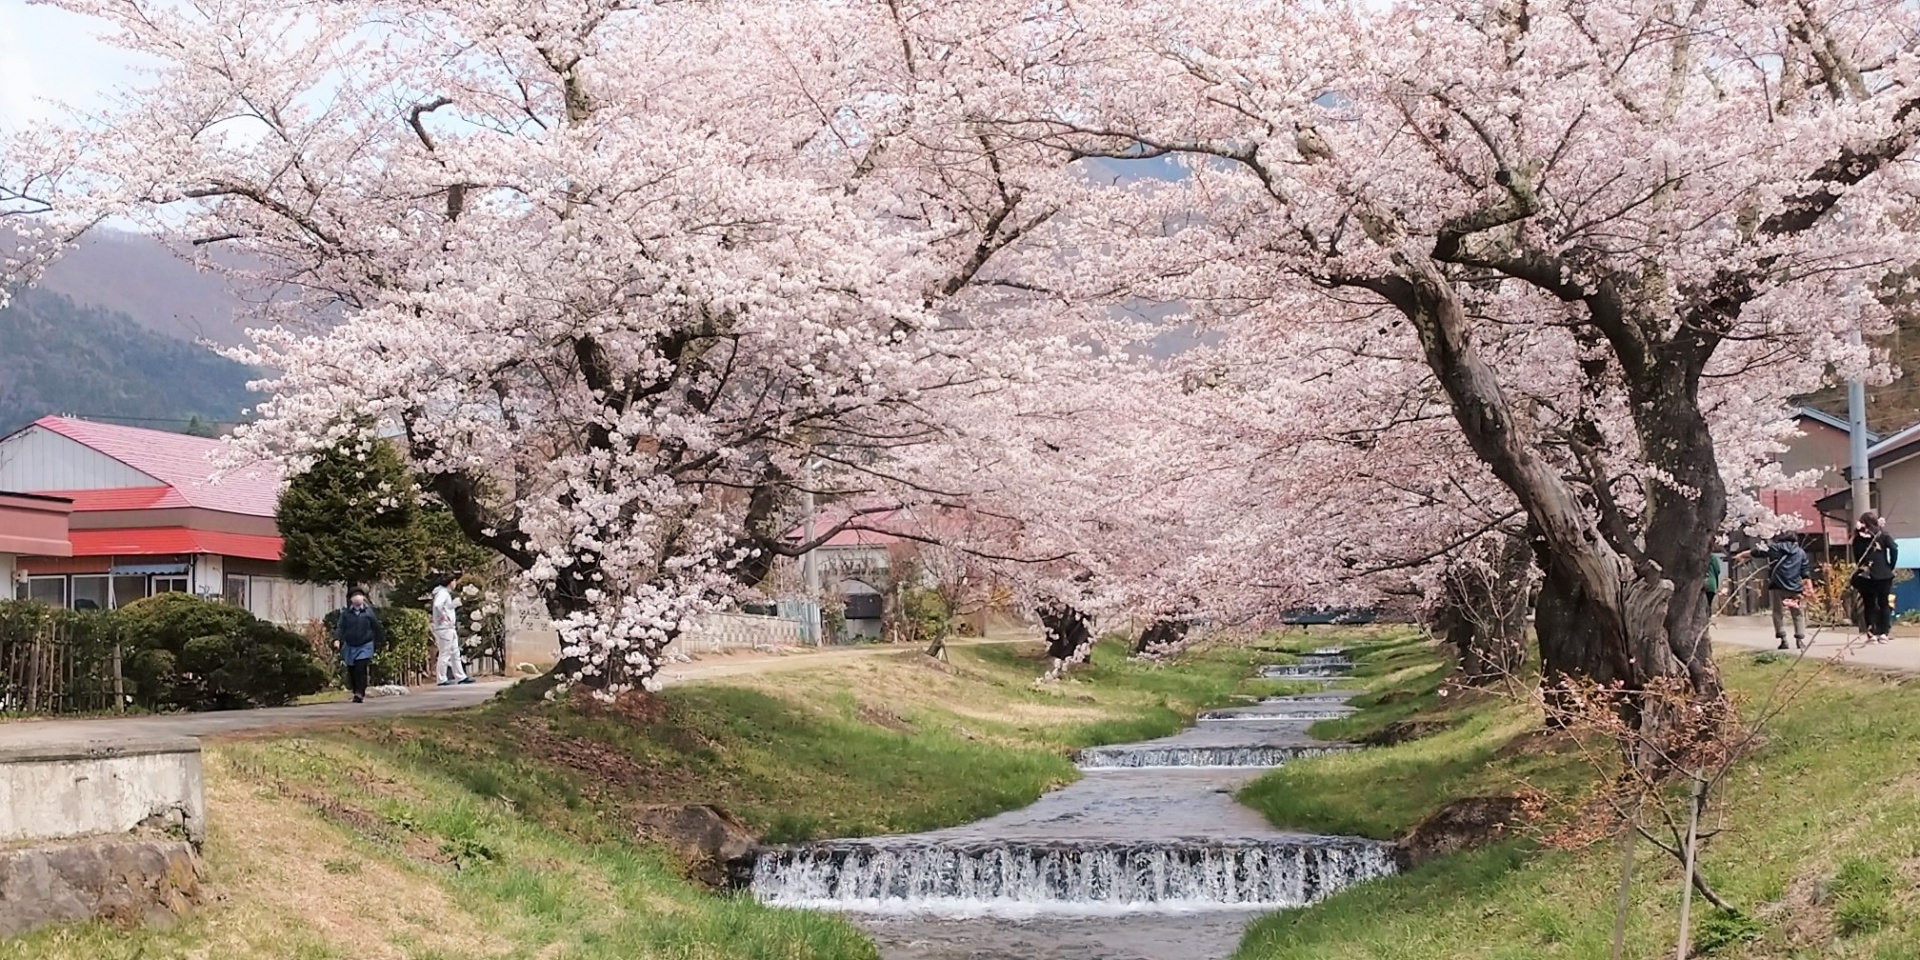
column 1146, row 857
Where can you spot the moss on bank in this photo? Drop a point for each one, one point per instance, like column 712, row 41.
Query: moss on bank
column 509, row 830
column 1816, row 837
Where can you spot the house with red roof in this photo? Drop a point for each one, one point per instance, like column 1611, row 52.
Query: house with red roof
column 146, row 516
column 35, row 526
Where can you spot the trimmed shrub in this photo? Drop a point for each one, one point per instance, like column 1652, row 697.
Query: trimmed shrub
column 196, row 654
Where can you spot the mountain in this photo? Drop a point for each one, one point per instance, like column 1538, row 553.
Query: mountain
column 138, row 276
column 58, row 356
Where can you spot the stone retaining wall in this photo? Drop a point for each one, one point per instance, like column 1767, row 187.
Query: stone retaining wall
column 129, row 880
column 99, row 830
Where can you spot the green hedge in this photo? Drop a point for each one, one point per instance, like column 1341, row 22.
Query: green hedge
column 178, row 652
column 196, row 654
column 54, row 660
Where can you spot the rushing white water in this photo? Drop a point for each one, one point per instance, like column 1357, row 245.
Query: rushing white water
column 1108, row 758
column 1216, row 716
column 1305, row 671
column 989, row 878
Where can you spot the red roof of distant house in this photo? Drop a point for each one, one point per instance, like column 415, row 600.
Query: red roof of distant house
column 123, row 498
column 170, row 541
column 184, row 464
column 1801, row 503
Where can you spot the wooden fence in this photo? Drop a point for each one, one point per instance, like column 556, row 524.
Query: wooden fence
column 59, row 664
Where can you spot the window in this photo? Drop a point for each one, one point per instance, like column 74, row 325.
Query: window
column 127, row 589
column 169, row 585
column 51, row 591
column 238, row 591
column 91, row 592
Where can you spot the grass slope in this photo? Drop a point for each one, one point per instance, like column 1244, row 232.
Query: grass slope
column 1817, row 842
column 509, row 831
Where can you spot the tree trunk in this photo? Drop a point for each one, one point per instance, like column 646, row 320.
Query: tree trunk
column 1571, row 644
column 1484, row 614
column 1607, row 596
column 1160, row 633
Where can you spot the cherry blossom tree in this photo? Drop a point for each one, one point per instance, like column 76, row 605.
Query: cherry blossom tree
column 622, row 277
column 1637, row 202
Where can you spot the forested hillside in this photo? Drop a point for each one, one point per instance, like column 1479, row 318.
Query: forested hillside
column 57, row 357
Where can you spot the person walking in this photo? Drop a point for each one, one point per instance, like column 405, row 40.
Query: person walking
column 1875, row 555
column 358, row 633
column 1716, row 571
column 445, row 620
column 1787, row 567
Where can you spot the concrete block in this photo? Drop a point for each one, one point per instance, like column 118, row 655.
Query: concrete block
column 92, row 788
column 127, row 880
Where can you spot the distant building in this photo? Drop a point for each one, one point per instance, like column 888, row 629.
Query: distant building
column 1825, row 449
column 35, row 526
column 146, row 519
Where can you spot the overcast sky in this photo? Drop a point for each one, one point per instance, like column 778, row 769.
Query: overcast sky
column 50, row 54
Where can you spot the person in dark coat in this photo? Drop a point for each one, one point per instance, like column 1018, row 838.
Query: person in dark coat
column 1787, row 569
column 1875, row 557
column 358, row 634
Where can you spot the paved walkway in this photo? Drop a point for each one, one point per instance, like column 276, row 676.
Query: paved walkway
column 420, row 700
column 1829, row 643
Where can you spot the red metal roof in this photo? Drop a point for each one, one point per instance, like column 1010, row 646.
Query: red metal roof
column 123, row 498
column 1801, row 503
column 170, row 541
column 184, row 463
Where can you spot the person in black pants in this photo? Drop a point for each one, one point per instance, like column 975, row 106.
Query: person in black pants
column 358, row 633
column 1875, row 555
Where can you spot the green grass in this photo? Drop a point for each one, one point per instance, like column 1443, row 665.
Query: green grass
column 1815, row 838
column 512, row 830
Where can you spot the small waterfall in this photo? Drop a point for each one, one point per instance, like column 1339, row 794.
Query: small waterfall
column 1305, row 671
column 1113, row 758
column 987, row 876
column 1327, row 660
column 1300, row 713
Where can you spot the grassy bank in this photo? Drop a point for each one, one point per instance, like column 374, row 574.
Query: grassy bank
column 1815, row 838
column 511, row 830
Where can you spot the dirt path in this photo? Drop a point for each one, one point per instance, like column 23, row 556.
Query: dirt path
column 420, row 700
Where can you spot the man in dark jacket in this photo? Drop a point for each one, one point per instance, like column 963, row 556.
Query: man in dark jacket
column 358, row 633
column 1787, row 568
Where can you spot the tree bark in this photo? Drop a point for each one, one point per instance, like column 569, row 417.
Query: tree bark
column 1607, row 599
column 1160, row 633
column 1483, row 614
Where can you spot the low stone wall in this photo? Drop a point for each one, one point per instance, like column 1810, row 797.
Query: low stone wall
column 61, row 791
column 99, row 830
column 128, row 880
column 717, row 632
column 531, row 639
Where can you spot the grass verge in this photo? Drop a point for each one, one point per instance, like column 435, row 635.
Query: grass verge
column 512, row 830
column 1815, row 838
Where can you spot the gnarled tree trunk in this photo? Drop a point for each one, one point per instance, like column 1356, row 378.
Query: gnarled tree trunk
column 1483, row 614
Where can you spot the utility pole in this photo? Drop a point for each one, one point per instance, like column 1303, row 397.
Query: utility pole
column 808, row 564
column 1857, row 441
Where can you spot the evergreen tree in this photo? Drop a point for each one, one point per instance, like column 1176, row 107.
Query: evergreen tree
column 353, row 517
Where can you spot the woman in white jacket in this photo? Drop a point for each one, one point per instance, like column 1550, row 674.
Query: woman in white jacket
column 447, row 670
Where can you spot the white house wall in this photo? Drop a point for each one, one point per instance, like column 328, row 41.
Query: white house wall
column 209, row 575
column 39, row 459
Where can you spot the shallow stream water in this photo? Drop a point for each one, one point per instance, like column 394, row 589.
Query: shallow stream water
column 1146, row 857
